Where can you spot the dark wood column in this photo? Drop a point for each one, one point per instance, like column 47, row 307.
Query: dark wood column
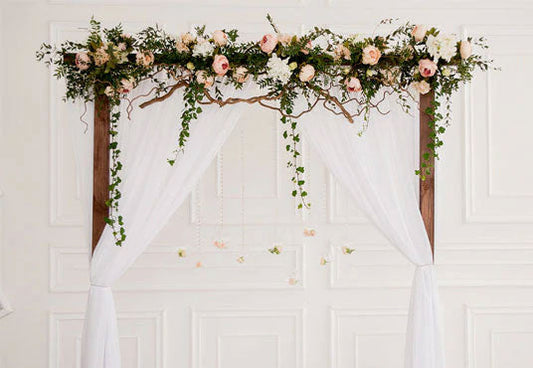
column 102, row 115
column 427, row 186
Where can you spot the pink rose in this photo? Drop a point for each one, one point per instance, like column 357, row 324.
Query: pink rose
column 126, row 85
column 465, row 49
column 82, row 61
column 203, row 78
column 371, row 55
column 353, row 84
column 145, row 58
column 268, row 43
column 421, row 87
column 220, row 65
column 419, row 32
column 220, row 38
column 427, row 68
column 241, row 74
column 122, row 46
column 307, row 73
column 308, row 46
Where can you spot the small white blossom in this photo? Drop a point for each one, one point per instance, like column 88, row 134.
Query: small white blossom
column 203, row 48
column 279, row 69
column 442, row 46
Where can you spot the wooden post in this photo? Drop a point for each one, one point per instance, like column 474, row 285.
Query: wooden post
column 102, row 115
column 427, row 186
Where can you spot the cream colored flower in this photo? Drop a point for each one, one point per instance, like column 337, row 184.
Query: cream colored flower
column 241, row 74
column 342, row 51
column 203, row 78
column 307, row 73
column 181, row 46
column 284, row 38
column 421, row 87
column 220, row 38
column 101, row 56
column 465, row 49
column 187, row 38
column 419, row 32
column 371, row 55
column 145, row 58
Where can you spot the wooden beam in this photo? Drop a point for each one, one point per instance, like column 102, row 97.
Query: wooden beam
column 427, row 186
column 102, row 115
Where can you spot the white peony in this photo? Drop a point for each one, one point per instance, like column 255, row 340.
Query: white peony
column 203, row 48
column 442, row 46
column 279, row 69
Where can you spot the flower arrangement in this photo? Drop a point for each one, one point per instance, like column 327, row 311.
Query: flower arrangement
column 349, row 75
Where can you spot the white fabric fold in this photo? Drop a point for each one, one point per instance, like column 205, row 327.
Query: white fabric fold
column 152, row 191
column 375, row 169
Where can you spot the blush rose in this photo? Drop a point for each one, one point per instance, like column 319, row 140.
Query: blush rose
column 371, row 55
column 268, row 43
column 220, row 65
column 427, row 68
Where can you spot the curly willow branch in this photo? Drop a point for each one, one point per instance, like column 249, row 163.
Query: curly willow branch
column 324, row 96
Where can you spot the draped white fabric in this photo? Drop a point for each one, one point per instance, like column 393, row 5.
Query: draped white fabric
column 375, row 170
column 152, row 191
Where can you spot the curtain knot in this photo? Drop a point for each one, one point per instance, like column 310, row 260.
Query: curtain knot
column 425, row 265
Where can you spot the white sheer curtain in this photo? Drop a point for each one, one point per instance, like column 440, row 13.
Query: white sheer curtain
column 152, row 190
column 375, row 170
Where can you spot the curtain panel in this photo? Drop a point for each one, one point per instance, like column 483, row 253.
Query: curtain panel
column 373, row 168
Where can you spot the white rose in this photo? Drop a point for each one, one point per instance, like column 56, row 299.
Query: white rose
column 203, row 48
column 421, row 87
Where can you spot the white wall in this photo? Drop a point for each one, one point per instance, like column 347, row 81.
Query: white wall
column 351, row 313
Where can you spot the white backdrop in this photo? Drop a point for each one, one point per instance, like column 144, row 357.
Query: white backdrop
column 171, row 314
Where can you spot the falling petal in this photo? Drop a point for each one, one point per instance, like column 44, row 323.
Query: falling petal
column 240, row 259
column 309, row 232
column 199, row 264
column 182, row 253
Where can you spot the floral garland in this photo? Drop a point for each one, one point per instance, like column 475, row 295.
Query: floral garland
column 349, row 75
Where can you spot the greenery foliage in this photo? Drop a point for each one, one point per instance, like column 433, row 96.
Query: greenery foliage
column 348, row 74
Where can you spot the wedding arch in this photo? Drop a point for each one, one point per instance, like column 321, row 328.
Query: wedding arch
column 349, row 95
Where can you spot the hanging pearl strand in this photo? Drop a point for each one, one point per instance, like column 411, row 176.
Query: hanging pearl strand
column 199, row 263
column 241, row 257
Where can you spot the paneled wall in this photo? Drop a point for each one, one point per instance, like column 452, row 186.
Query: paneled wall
column 273, row 311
